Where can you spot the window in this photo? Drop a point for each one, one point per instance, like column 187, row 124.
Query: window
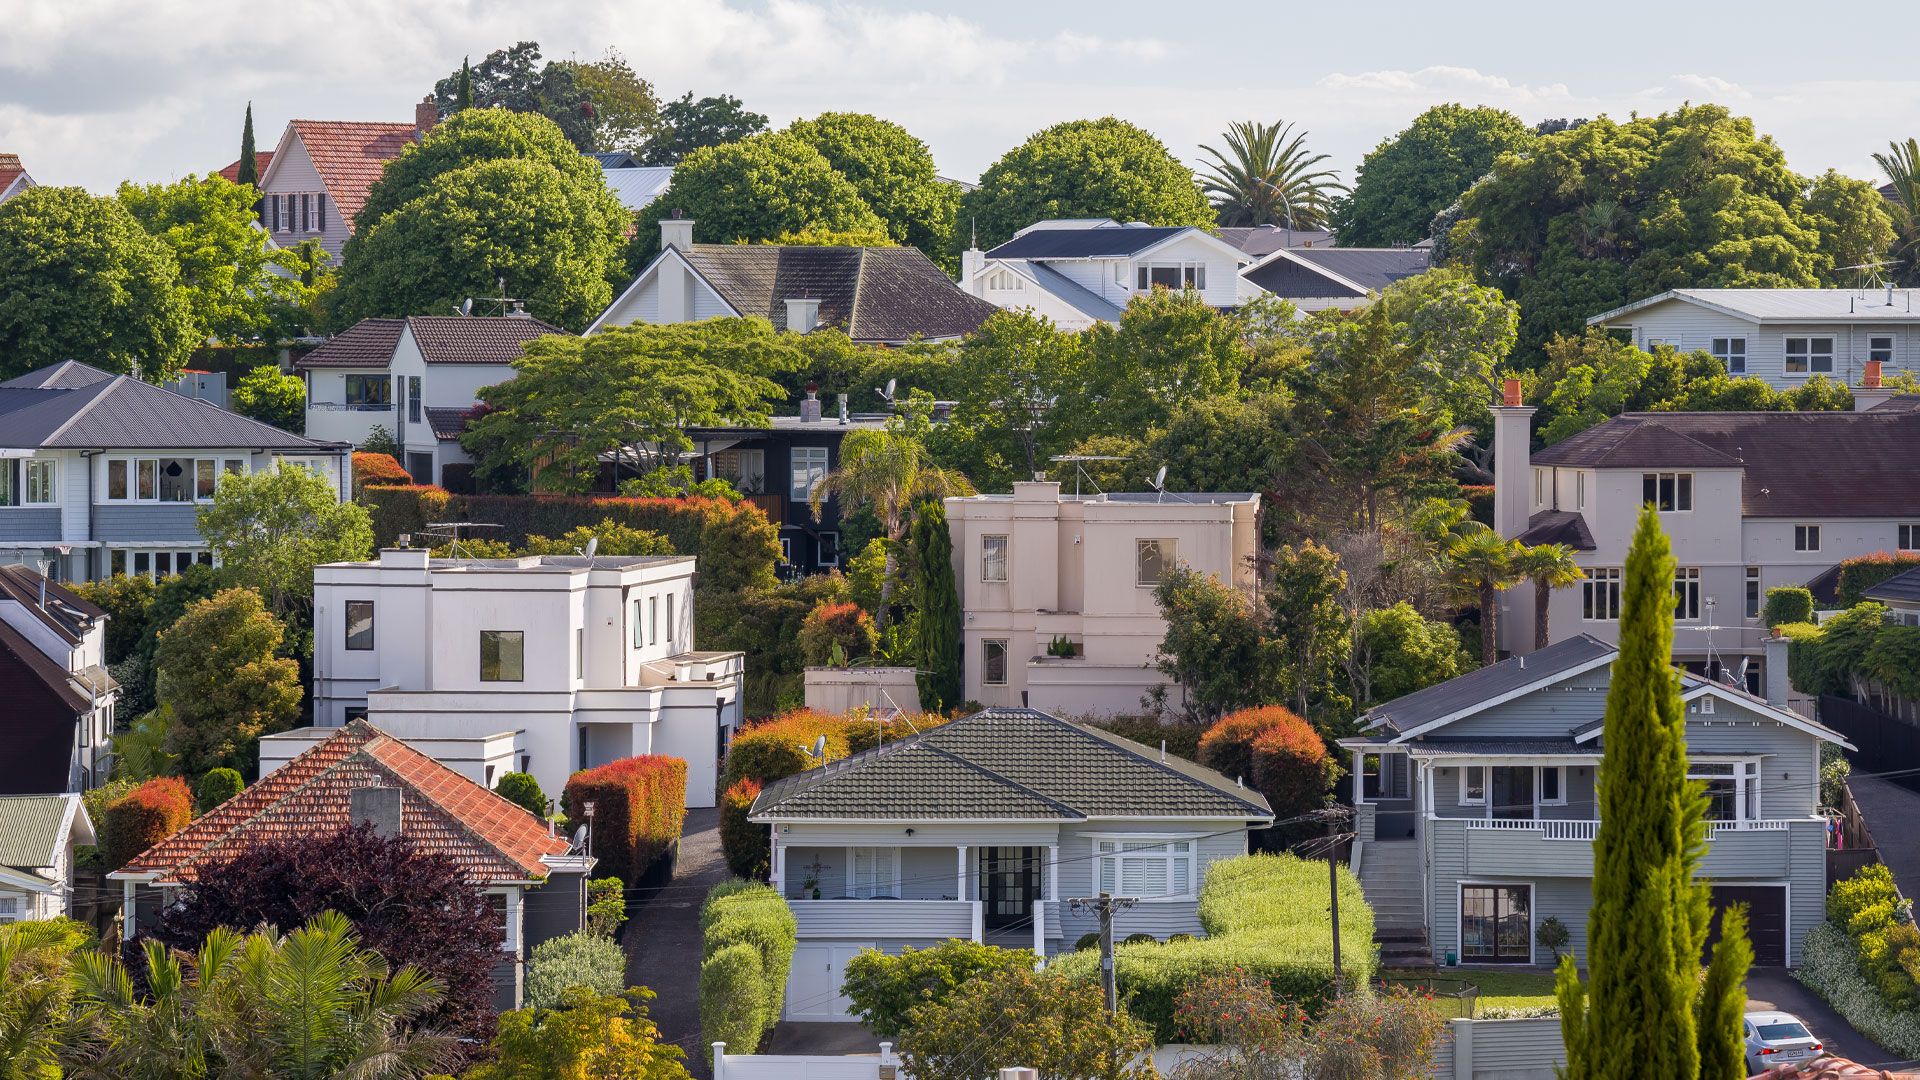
column 1551, row 791
column 1753, row 592
column 9, row 909
column 1722, row 780
column 993, row 558
column 149, row 474
column 580, row 653
column 1600, row 595
column 1175, row 276
column 1149, row 867
column 1806, row 538
column 1473, row 785
column 39, row 480
column 809, row 465
column 876, row 872
column 360, row 625
column 993, row 663
column 1580, row 491
column 1667, row 491
column 639, row 626
column 206, row 472
column 1003, row 281
column 26, row 481
column 1910, row 537
column 1119, row 273
column 174, row 480
column 1152, row 559
column 236, row 466
column 369, row 390
column 653, row 620
column 1539, row 487
column 1686, row 594
column 1880, row 350
column 413, row 399
column 829, row 549
column 503, row 655
column 1731, row 351
column 1809, row 354
column 1496, row 924
column 669, row 618
column 116, row 480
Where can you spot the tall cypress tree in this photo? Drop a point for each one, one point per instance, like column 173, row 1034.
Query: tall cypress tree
column 1723, row 1000
column 464, row 99
column 249, row 166
column 940, row 652
column 1642, row 1001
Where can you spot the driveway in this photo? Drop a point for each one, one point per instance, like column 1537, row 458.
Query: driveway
column 663, row 939
column 1775, row 988
column 1890, row 810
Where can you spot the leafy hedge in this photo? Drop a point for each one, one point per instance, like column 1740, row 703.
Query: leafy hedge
column 746, row 950
column 886, row 988
column 1830, row 967
column 1852, row 648
column 145, row 816
column 736, row 544
column 1880, row 927
column 1266, row 917
column 639, row 805
column 1863, row 572
column 377, row 470
column 743, row 843
column 582, row 958
column 1788, row 604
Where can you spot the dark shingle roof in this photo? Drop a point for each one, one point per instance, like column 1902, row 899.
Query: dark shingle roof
column 873, row 294
column 461, row 339
column 66, row 612
column 1105, row 242
column 71, row 405
column 1472, row 747
column 367, row 343
column 1007, row 764
column 1903, row 587
column 1371, row 269
column 447, row 424
column 1558, row 527
column 1410, row 711
column 1795, row 464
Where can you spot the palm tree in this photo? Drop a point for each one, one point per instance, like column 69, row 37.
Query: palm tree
column 892, row 471
column 1902, row 165
column 1482, row 564
column 1551, row 567
column 34, row 990
column 1260, row 159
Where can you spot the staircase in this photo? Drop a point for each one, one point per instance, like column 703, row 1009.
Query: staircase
column 1390, row 877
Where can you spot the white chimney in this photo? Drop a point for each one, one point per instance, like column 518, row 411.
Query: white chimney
column 1775, row 676
column 803, row 314
column 676, row 232
column 845, row 412
column 1512, row 446
column 972, row 262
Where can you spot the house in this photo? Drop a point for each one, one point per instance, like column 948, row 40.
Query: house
column 584, row 660
column 1260, row 241
column 876, row 296
column 1782, row 336
column 1082, row 271
column 535, row 879
column 1901, row 594
column 317, row 178
column 1750, row 500
column 982, row 829
column 13, row 177
column 634, row 184
column 37, row 836
column 777, row 467
column 416, row 378
column 102, row 474
column 1318, row 278
column 58, row 698
column 1050, row 622
column 1476, row 816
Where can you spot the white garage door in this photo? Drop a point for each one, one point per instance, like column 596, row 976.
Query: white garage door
column 813, row 987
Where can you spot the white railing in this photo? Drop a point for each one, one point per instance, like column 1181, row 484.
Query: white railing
column 805, row 1066
column 1548, row 828
column 1718, row 827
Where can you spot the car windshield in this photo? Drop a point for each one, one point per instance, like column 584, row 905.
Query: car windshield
column 1773, row 1032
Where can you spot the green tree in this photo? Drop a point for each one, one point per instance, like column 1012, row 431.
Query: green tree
column 249, row 172
column 1309, row 628
column 1213, row 648
column 1649, row 917
column 1012, row 371
column 690, row 125
column 1397, row 650
column 938, row 597
column 1084, row 168
column 463, row 97
column 1415, row 174
column 1550, row 566
column 1901, row 163
column 223, row 682
column 754, row 189
column 270, row 529
column 34, row 995
column 1481, row 565
column 626, row 113
column 1267, row 178
column 81, row 280
column 272, row 397
column 1460, row 334
column 630, row 390
column 1019, row 1017
column 588, row 1036
column 522, row 790
column 885, row 989
column 514, row 80
column 1169, row 348
column 891, row 471
column 216, row 787
column 893, row 173
column 225, row 262
column 1719, row 1011
column 1856, row 228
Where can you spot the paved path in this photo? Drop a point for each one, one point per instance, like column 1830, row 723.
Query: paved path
column 1775, row 988
column 663, row 939
column 1890, row 812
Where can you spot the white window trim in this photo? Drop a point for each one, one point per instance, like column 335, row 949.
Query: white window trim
column 1688, row 575
column 1006, row 661
column 1539, row 792
column 1463, row 800
column 1726, row 356
column 893, row 872
column 1814, row 535
column 133, row 461
column 810, row 457
column 1913, row 536
column 1194, row 868
column 1181, row 266
column 1460, row 916
column 1745, row 769
column 1811, row 354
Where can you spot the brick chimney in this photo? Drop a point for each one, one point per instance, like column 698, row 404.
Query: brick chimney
column 425, row 115
column 810, row 405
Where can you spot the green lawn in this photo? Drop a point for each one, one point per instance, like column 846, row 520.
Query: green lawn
column 1502, row 989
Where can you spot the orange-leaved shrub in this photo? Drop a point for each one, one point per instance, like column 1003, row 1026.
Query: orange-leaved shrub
column 145, row 816
column 1275, row 752
column 639, row 805
column 744, row 843
column 844, row 623
column 377, row 470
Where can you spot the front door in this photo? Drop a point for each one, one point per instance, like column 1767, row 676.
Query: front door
column 1513, row 791
column 420, row 467
column 1496, row 924
column 1009, row 884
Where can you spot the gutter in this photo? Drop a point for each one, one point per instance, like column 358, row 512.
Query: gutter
column 88, row 456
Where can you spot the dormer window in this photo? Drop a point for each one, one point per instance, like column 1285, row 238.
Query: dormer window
column 1003, row 281
column 1174, row 276
column 1668, row 492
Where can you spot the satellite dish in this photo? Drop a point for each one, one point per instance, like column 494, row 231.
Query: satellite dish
column 467, row 307
column 1160, row 479
column 891, row 383
column 593, row 545
column 820, row 746
column 579, row 836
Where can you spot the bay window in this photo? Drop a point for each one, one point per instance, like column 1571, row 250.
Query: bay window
column 1733, row 789
column 1146, row 868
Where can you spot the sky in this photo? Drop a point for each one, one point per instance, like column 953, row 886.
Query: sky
column 93, row 92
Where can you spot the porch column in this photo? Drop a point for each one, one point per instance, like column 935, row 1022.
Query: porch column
column 779, row 866
column 1359, row 795
column 1039, row 929
column 1053, row 871
column 127, row 889
column 960, row 886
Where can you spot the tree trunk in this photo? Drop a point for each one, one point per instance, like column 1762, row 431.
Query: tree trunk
column 1542, row 597
column 886, row 590
column 1489, row 639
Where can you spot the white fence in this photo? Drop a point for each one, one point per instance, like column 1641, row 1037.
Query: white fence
column 1500, row 1050
column 882, row 1066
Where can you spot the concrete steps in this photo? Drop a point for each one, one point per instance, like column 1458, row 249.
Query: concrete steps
column 1403, row 948
column 1390, row 877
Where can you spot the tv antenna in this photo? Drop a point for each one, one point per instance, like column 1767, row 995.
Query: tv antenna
column 451, row 534
column 1080, row 472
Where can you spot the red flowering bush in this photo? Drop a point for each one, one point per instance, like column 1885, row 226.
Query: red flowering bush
column 145, row 816
column 845, row 624
column 639, row 806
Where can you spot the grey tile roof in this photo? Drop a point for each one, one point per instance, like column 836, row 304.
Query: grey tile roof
column 1308, row 272
column 1558, row 527
column 73, row 406
column 1009, row 764
column 1903, row 588
column 30, row 829
column 1478, row 687
column 1102, row 242
column 1787, row 305
column 889, row 294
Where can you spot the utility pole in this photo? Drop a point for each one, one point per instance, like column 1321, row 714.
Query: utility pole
column 1335, row 817
column 1104, row 905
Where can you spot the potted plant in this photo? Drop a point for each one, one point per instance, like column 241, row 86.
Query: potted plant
column 1062, row 647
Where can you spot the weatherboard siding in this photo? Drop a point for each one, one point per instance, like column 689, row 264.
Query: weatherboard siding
column 1789, row 775
column 1690, row 328
column 147, row 523
column 30, row 523
column 1551, row 712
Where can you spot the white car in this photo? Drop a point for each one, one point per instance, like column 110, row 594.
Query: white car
column 1776, row 1038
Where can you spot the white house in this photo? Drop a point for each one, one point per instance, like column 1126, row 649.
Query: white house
column 1784, row 336
column 980, row 830
column 317, row 177
column 1039, row 566
column 1081, row 271
column 56, row 698
column 583, row 660
column 415, row 378
column 1317, row 278
column 37, row 836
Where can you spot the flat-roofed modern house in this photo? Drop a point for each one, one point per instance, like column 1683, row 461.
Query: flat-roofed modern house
column 1476, row 815
column 582, row 660
column 102, row 474
column 1783, row 336
column 1317, row 278
column 37, row 836
column 1750, row 500
column 56, row 698
column 875, row 295
column 979, row 829
column 1040, row 565
column 1082, row 271
column 416, row 378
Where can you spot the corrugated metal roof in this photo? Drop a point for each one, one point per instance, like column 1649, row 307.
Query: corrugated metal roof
column 637, row 186
column 1786, row 305
column 30, row 829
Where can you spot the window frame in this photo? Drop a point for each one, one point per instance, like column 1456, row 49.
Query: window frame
column 1672, row 492
column 1467, row 799
column 986, row 661
column 1756, row 597
column 1559, row 785
column 1110, row 856
column 1686, row 594
column 807, row 468
column 48, row 484
column 1811, row 354
column 519, row 637
column 874, row 855
column 1604, row 581
column 1729, row 349
column 1878, row 351
column 360, row 381
column 1907, row 536
column 988, row 548
column 347, row 629
column 1168, row 556
column 1806, row 537
column 1190, row 275
column 142, row 473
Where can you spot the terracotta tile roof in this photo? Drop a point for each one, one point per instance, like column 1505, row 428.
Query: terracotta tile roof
column 463, row 339
column 10, row 170
column 1831, row 1068
column 442, row 811
column 447, row 424
column 350, row 155
column 367, row 343
column 260, row 160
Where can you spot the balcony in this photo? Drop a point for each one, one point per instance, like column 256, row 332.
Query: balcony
column 1564, row 848
column 333, row 406
column 843, row 919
